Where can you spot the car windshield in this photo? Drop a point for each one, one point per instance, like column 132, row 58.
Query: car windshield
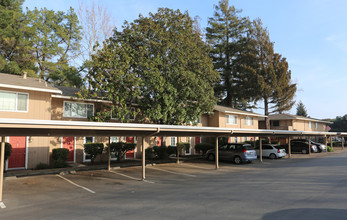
column 248, row 147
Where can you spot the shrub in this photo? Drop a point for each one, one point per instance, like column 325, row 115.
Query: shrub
column 42, row 166
column 8, row 150
column 149, row 153
column 59, row 156
column 120, row 148
column 172, row 150
column 93, row 149
column 161, row 152
column 329, row 149
column 204, row 147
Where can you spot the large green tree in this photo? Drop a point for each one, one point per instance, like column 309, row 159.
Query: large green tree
column 15, row 56
column 227, row 35
column 271, row 71
column 158, row 63
column 54, row 42
column 340, row 124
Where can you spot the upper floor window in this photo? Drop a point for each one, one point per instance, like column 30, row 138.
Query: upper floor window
column 198, row 120
column 316, row 124
column 78, row 110
column 249, row 121
column 231, row 119
column 275, row 123
column 14, row 101
column 310, row 124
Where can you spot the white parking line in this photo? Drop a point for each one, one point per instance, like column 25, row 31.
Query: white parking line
column 190, row 165
column 184, row 174
column 85, row 188
column 130, row 177
column 2, row 205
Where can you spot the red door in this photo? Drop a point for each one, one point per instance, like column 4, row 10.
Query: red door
column 17, row 158
column 69, row 143
column 159, row 141
column 131, row 153
column 197, row 141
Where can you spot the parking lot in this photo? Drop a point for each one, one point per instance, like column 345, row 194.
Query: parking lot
column 301, row 188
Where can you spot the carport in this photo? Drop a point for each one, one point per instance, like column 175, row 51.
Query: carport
column 13, row 127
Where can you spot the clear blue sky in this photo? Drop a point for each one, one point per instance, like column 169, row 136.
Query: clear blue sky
column 311, row 34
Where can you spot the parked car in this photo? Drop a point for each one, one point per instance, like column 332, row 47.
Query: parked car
column 271, row 151
column 300, row 147
column 235, row 152
column 320, row 147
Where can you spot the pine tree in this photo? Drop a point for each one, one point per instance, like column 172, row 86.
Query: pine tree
column 301, row 109
column 227, row 35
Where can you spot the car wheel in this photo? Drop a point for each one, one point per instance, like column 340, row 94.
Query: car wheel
column 210, row 157
column 272, row 156
column 237, row 160
column 304, row 151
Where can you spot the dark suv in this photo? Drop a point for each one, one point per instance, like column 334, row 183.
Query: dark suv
column 300, row 146
column 235, row 152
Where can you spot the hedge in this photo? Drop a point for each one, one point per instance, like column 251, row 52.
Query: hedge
column 59, row 156
column 204, row 147
column 93, row 149
column 120, row 149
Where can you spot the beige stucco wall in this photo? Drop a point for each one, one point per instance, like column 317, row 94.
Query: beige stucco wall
column 39, row 106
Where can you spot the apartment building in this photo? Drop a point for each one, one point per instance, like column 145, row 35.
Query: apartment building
column 31, row 98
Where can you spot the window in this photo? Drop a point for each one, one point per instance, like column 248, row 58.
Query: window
column 114, row 139
column 275, row 123
column 173, row 141
column 316, row 125
column 310, row 124
column 13, row 101
column 249, row 121
column 78, row 110
column 231, row 119
column 198, row 120
column 87, row 157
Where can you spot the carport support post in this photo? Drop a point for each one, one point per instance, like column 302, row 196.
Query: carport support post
column 109, row 154
column 143, row 159
column 331, row 143
column 217, row 154
column 289, row 148
column 260, row 150
column 2, row 162
column 342, row 142
column 309, row 145
column 326, row 141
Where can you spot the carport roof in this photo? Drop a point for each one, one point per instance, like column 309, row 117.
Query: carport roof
column 26, row 127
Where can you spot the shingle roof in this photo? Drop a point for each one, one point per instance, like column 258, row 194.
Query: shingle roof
column 294, row 117
column 33, row 84
column 225, row 109
column 68, row 91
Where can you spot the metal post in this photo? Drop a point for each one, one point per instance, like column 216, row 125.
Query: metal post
column 342, row 142
column 309, row 145
column 178, row 152
column 289, row 148
column 326, row 141
column 331, row 143
column 109, row 154
column 260, row 150
column 2, row 162
column 217, row 154
column 143, row 159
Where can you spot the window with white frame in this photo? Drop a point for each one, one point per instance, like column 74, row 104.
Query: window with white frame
column 14, row 101
column 316, row 125
column 231, row 119
column 78, row 110
column 87, row 157
column 114, row 139
column 310, row 124
column 198, row 120
column 173, row 141
column 249, row 121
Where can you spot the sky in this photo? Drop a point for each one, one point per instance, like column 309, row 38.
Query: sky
column 311, row 34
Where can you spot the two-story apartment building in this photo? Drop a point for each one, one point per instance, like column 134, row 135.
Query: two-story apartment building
column 32, row 98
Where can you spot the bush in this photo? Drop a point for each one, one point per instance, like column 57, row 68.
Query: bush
column 172, row 150
column 93, row 149
column 204, row 147
column 161, row 152
column 149, row 153
column 329, row 149
column 59, row 156
column 182, row 146
column 120, row 148
column 42, row 166
column 8, row 150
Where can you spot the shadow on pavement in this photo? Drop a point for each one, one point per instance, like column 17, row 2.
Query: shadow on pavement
column 306, row 214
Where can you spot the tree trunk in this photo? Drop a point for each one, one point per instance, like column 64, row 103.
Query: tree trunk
column 266, row 113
